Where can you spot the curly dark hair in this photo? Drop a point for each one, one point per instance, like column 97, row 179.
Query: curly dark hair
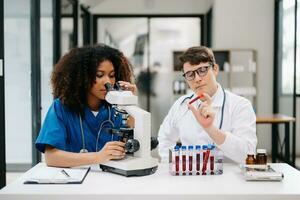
column 75, row 73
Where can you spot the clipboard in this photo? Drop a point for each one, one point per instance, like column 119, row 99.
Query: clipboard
column 55, row 175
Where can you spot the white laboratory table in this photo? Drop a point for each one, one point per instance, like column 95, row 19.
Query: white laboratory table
column 161, row 185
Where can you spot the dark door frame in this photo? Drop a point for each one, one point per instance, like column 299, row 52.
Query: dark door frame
column 57, row 16
column 75, row 23
column 295, row 95
column 86, row 25
column 2, row 102
column 56, row 12
column 35, row 76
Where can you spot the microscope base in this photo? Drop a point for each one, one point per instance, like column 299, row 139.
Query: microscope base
column 127, row 173
column 131, row 166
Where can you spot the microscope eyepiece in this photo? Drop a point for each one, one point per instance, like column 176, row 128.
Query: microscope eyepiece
column 108, row 87
column 117, row 86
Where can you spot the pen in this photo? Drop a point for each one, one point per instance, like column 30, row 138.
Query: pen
column 65, row 173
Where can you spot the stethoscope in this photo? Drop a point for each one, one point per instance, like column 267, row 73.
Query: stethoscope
column 223, row 105
column 84, row 150
column 222, row 110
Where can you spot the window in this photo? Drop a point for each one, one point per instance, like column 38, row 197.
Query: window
column 288, row 45
column 17, row 93
column 287, row 25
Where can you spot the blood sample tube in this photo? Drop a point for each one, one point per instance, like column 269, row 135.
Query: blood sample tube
column 191, row 153
column 212, row 159
column 206, row 153
column 204, row 149
column 176, row 154
column 198, row 154
column 183, row 159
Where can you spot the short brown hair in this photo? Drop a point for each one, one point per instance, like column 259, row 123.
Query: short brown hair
column 197, row 55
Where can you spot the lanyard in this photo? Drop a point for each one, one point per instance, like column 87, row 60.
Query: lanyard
column 222, row 112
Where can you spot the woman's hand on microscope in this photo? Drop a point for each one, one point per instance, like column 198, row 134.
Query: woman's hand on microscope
column 128, row 86
column 113, row 150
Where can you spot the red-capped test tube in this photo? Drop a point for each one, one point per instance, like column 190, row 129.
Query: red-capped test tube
column 196, row 98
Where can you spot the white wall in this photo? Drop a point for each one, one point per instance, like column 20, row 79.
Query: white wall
column 250, row 24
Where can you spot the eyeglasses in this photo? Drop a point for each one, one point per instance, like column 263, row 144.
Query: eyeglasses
column 201, row 71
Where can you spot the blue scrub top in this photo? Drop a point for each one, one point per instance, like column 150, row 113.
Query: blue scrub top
column 61, row 128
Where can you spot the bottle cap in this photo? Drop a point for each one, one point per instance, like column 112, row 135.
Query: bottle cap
column 204, row 147
column 176, row 147
column 264, row 151
column 191, row 147
column 211, row 146
column 198, row 147
column 183, row 147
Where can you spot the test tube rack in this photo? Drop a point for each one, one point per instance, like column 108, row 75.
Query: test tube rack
column 196, row 160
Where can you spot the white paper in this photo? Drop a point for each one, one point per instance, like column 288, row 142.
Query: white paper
column 56, row 175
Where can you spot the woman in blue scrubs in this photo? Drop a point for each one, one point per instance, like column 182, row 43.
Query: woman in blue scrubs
column 75, row 130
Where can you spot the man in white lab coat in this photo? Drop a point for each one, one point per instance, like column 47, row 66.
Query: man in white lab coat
column 218, row 116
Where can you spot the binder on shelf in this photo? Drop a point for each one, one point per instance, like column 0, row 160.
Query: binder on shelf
column 55, row 175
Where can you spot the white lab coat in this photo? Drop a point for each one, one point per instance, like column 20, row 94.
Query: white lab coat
column 239, row 124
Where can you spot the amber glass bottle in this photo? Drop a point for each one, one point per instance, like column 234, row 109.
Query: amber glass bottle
column 261, row 157
column 250, row 159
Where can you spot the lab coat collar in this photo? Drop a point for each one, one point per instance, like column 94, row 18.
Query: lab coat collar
column 217, row 98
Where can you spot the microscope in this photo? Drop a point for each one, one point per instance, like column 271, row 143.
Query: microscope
column 138, row 160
